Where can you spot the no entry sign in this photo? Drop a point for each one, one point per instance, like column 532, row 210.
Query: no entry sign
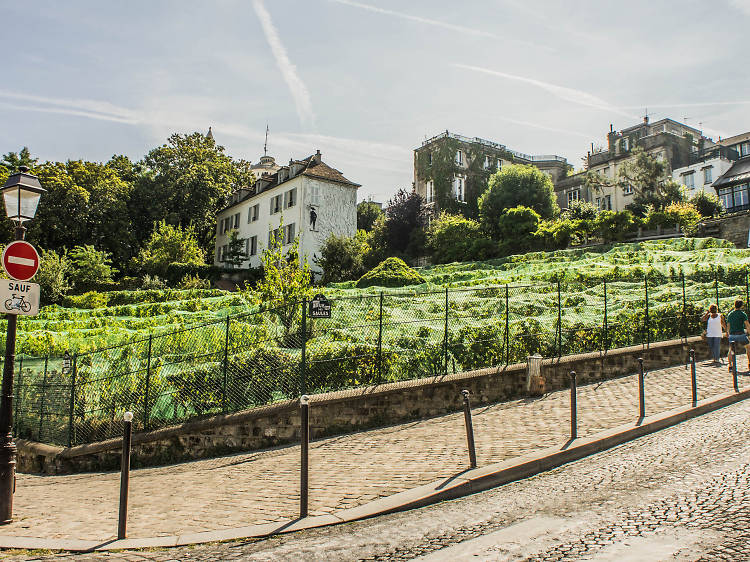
column 20, row 260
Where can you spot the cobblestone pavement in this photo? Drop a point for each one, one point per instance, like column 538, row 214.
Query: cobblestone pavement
column 345, row 471
column 680, row 494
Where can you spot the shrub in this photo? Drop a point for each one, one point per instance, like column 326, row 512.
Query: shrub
column 684, row 214
column 455, row 238
column 516, row 227
column 392, row 272
column 53, row 276
column 580, row 210
column 614, row 225
column 341, row 257
column 707, row 204
column 153, row 282
column 168, row 244
column 194, row 282
column 91, row 267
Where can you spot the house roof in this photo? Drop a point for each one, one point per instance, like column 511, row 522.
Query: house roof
column 738, row 173
column 312, row 167
column 735, row 139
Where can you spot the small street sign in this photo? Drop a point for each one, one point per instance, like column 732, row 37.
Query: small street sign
column 19, row 297
column 320, row 307
column 67, row 363
column 20, row 260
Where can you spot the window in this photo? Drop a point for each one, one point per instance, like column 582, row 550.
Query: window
column 486, row 162
column 430, row 191
column 459, row 157
column 627, row 190
column 252, row 246
column 458, row 188
column 237, row 220
column 288, row 233
column 224, row 251
column 499, row 164
column 598, row 203
column 226, row 224
column 315, row 195
column 290, row 198
column 708, row 175
column 218, row 254
column 605, row 172
column 573, row 195
column 274, row 236
column 743, row 149
column 276, row 204
column 689, row 179
column 252, row 213
column 429, row 158
column 607, row 203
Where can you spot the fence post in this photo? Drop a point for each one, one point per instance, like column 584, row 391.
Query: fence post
column 684, row 306
column 146, row 404
column 469, row 430
column 73, row 373
column 304, row 407
column 606, row 326
column 380, row 340
column 646, row 323
column 127, row 434
column 747, row 288
column 17, row 403
column 641, row 391
column 693, row 381
column 559, row 320
column 716, row 286
column 573, row 406
column 41, row 404
column 507, row 326
column 734, row 366
column 224, row 368
column 303, row 359
column 445, row 336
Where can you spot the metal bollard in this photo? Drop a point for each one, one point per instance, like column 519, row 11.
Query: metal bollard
column 573, row 406
column 469, row 430
column 734, row 367
column 304, row 408
column 693, row 380
column 122, row 524
column 641, row 390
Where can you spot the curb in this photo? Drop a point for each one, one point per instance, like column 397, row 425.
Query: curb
column 464, row 483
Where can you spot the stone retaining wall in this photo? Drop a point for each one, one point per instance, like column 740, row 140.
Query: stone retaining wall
column 346, row 411
column 734, row 227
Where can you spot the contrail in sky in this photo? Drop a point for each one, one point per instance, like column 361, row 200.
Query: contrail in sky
column 299, row 91
column 568, row 94
column 82, row 107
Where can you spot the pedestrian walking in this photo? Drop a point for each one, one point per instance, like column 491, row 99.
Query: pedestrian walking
column 738, row 328
column 716, row 326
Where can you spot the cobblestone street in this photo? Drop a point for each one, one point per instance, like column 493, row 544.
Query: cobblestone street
column 353, row 469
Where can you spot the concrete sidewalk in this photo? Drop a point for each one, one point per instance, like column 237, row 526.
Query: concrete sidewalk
column 346, row 471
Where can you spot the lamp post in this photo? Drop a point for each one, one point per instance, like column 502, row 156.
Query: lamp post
column 21, row 194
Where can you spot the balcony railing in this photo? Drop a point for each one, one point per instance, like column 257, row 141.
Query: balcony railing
column 497, row 146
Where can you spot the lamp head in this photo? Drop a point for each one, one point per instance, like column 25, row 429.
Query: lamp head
column 21, row 193
column 128, row 416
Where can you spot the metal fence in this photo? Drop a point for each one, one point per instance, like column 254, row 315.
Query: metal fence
column 259, row 358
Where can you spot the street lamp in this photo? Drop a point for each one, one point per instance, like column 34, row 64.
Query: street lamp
column 21, row 194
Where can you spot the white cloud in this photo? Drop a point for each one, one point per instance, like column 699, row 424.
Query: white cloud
column 299, row 91
column 579, row 97
column 92, row 109
column 547, row 128
column 741, row 5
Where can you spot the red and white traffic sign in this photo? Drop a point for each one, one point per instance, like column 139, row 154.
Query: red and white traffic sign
column 20, row 260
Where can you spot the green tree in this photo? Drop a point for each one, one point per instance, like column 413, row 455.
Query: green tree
column 614, row 225
column 707, row 204
column 516, row 186
column 516, row 228
column 91, row 267
column 14, row 160
column 405, row 217
column 580, row 210
column 185, row 182
column 456, row 238
column 342, row 257
column 168, row 244
column 367, row 213
column 286, row 280
column 235, row 249
column 53, row 276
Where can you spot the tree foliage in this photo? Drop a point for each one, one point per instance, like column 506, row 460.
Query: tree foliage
column 367, row 213
column 91, row 267
column 235, row 249
column 168, row 244
column 455, row 238
column 707, row 204
column 53, row 276
column 392, row 272
column 516, row 186
column 342, row 257
column 404, row 218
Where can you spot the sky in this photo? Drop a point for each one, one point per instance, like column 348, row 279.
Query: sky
column 365, row 82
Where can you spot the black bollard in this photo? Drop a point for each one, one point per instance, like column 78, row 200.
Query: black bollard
column 122, row 524
column 469, row 430
column 573, row 406
column 641, row 390
column 693, row 380
column 734, row 366
column 304, row 410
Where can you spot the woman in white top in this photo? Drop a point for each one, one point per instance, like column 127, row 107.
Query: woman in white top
column 715, row 328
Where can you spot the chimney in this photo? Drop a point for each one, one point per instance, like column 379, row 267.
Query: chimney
column 610, row 128
column 317, row 157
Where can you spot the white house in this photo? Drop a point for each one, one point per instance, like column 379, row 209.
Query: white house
column 704, row 168
column 309, row 198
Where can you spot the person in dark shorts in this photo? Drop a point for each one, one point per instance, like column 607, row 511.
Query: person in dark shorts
column 738, row 325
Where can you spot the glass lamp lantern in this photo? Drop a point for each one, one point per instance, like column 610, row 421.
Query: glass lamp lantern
column 21, row 194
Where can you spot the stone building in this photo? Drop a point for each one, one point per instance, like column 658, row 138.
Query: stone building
column 451, row 171
column 704, row 168
column 665, row 140
column 307, row 198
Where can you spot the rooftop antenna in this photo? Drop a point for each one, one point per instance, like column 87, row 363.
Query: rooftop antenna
column 265, row 144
